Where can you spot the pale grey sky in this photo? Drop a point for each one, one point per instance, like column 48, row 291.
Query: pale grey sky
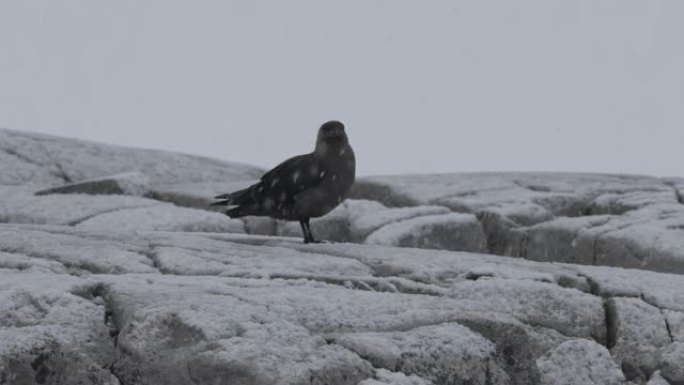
column 422, row 86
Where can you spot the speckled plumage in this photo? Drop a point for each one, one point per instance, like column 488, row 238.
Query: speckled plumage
column 302, row 187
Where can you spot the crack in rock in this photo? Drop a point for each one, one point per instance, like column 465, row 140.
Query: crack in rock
column 679, row 197
column 151, row 254
column 59, row 173
column 611, row 327
column 78, row 221
column 390, row 284
column 667, row 326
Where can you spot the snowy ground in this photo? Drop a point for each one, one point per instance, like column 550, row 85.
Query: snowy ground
column 130, row 288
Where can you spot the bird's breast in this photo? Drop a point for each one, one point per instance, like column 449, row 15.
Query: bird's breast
column 338, row 172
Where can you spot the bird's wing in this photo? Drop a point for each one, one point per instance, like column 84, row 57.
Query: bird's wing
column 282, row 183
column 294, row 175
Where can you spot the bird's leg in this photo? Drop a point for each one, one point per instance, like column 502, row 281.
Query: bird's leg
column 306, row 229
column 311, row 237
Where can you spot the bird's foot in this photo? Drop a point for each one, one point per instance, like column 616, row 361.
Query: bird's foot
column 311, row 240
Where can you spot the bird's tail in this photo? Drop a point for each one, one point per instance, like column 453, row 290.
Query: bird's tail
column 231, row 199
column 235, row 198
column 236, row 212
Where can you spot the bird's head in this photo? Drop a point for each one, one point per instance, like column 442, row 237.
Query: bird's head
column 331, row 135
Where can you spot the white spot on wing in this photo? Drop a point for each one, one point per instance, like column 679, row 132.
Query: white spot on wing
column 343, row 151
column 274, row 182
column 283, row 196
column 268, row 203
column 334, row 176
column 322, row 174
column 339, row 198
column 295, row 177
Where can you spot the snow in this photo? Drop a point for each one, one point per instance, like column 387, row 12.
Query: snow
column 255, row 261
column 266, row 303
column 129, row 183
column 385, row 377
column 640, row 219
column 19, row 205
column 80, row 160
column 570, row 311
column 146, row 291
column 164, row 218
column 77, row 255
column 672, row 358
column 446, row 231
column 446, row 353
column 371, row 220
column 580, row 362
column 657, row 289
column 675, row 321
column 640, row 331
column 49, row 330
column 657, row 379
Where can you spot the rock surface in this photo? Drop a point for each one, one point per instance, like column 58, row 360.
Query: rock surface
column 130, row 183
column 579, row 362
column 125, row 289
column 616, row 220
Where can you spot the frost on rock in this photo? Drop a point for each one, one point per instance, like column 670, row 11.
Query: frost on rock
column 617, row 220
column 356, row 221
column 24, row 262
column 71, row 160
column 675, row 322
column 385, row 377
column 78, row 255
column 20, row 205
column 255, row 261
column 222, row 332
column 672, row 363
column 459, row 232
column 163, row 218
column 639, row 332
column 48, row 334
column 197, row 194
column 657, row 289
column 657, row 379
column 443, row 354
column 130, row 183
column 579, row 362
column 116, row 289
column 571, row 312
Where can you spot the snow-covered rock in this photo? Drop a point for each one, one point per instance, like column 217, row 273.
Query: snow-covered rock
column 385, row 377
column 579, row 362
column 675, row 323
column 639, row 332
column 48, row 161
column 20, row 205
column 447, row 353
column 657, row 379
column 672, row 359
column 163, row 218
column 459, row 232
column 130, row 183
column 50, row 333
column 268, row 309
column 130, row 289
column 616, row 220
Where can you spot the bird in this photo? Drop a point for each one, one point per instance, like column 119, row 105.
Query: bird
column 303, row 186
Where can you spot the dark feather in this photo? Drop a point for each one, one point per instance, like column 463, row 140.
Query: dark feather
column 294, row 175
column 279, row 185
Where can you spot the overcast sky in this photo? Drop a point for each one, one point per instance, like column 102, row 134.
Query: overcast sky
column 422, row 86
